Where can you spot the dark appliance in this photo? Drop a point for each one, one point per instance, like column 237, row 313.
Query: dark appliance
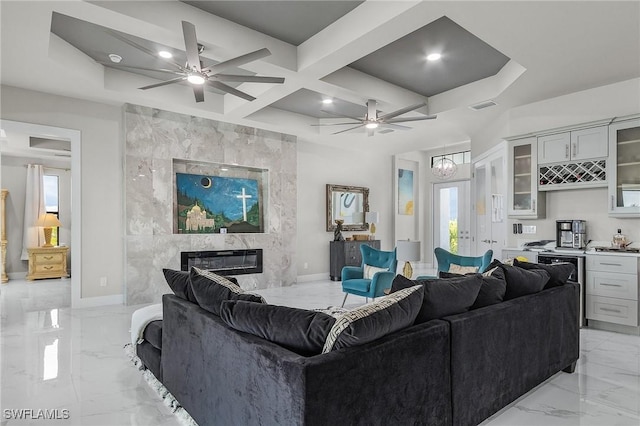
column 571, row 234
column 578, row 275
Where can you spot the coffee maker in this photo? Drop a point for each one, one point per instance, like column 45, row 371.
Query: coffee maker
column 571, row 234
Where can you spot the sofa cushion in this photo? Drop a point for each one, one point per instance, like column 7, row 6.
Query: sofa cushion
column 179, row 283
column 559, row 272
column 521, row 282
column 211, row 289
column 443, row 297
column 375, row 320
column 153, row 333
column 299, row 330
column 493, row 289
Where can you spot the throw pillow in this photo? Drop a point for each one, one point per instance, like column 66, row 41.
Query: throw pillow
column 461, row 270
column 559, row 272
column 211, row 289
column 493, row 289
column 370, row 271
column 375, row 320
column 443, row 297
column 298, row 330
column 180, row 284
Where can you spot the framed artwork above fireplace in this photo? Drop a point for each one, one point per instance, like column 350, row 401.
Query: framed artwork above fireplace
column 218, row 198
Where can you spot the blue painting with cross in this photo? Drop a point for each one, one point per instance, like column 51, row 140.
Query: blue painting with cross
column 205, row 204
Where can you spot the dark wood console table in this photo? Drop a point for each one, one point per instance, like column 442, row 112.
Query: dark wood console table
column 346, row 253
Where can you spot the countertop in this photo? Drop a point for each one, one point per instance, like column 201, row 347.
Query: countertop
column 569, row 252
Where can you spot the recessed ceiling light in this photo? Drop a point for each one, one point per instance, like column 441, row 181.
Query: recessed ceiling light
column 165, row 54
column 327, row 101
column 371, row 125
column 224, row 169
column 115, row 58
column 434, row 57
column 195, row 79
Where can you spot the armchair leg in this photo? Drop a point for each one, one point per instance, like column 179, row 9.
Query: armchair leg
column 344, row 300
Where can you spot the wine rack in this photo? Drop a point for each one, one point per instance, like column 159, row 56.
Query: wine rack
column 561, row 176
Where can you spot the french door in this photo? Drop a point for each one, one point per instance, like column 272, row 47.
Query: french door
column 451, row 215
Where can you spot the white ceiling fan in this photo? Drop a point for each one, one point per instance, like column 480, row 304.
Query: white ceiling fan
column 371, row 121
column 194, row 73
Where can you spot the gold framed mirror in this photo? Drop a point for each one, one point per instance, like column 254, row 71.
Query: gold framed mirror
column 349, row 203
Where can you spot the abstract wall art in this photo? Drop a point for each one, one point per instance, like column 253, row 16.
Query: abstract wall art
column 405, row 192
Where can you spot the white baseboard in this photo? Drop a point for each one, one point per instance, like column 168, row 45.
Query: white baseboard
column 312, row 277
column 91, row 302
column 17, row 275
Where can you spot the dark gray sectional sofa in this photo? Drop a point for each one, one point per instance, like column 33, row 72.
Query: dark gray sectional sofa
column 457, row 370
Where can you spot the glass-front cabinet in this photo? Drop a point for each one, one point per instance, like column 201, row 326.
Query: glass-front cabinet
column 624, row 168
column 524, row 200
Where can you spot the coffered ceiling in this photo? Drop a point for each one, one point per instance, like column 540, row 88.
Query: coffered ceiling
column 510, row 52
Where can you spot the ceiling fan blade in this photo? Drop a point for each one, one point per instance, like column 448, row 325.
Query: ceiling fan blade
column 198, row 91
column 236, row 62
column 402, row 120
column 248, row 78
column 341, row 115
column 395, row 126
column 142, row 48
column 191, row 45
column 382, row 132
column 163, row 83
column 118, row 66
column 230, row 90
column 332, row 124
column 346, row 130
column 401, row 111
column 372, row 112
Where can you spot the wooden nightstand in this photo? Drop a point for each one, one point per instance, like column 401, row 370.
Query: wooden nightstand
column 47, row 262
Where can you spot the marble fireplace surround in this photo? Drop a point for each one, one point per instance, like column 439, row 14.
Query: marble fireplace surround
column 152, row 139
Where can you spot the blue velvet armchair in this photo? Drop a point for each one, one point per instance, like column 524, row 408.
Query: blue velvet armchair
column 354, row 282
column 445, row 259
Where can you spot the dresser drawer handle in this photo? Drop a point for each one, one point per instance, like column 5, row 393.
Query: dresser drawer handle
column 48, row 267
column 47, row 257
column 610, row 285
column 610, row 264
column 611, row 310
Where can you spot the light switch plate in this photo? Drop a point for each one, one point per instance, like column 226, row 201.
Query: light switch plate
column 529, row 229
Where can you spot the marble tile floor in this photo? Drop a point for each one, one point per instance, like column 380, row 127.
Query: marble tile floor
column 53, row 357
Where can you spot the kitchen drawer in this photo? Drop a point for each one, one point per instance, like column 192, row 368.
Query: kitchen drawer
column 611, row 284
column 621, row 264
column 609, row 309
column 48, row 258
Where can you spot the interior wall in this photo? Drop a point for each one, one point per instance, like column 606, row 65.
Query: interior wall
column 14, row 176
column 320, row 165
column 101, row 183
column 153, row 138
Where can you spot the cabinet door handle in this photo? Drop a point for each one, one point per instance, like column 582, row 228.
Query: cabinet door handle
column 566, row 151
column 575, row 148
column 533, row 205
column 610, row 285
column 612, row 202
column 610, row 264
column 611, row 310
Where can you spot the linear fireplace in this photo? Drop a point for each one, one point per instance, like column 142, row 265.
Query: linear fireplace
column 224, row 262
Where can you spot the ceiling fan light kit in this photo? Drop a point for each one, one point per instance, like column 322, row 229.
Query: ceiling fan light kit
column 194, row 73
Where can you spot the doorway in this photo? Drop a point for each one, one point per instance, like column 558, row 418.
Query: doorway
column 452, row 219
column 75, row 235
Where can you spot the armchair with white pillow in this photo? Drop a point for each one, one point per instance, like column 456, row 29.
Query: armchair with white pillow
column 373, row 277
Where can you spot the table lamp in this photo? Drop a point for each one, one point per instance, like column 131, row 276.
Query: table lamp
column 372, row 218
column 408, row 251
column 47, row 221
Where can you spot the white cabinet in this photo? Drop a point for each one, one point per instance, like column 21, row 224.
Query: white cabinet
column 576, row 145
column 612, row 289
column 524, row 200
column 624, row 169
